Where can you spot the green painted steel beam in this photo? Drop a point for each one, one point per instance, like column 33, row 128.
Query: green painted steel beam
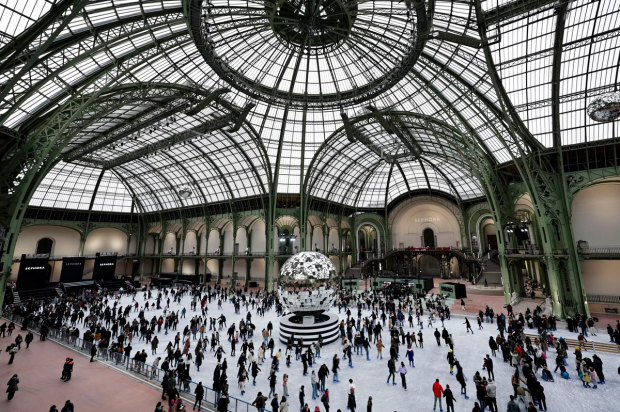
column 56, row 51
column 366, row 117
column 34, row 120
column 207, row 101
column 387, row 188
column 208, row 126
column 241, row 117
column 12, row 50
column 458, row 39
column 137, row 177
column 76, row 8
column 131, row 127
column 517, row 8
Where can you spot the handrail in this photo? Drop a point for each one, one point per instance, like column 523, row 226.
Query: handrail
column 604, row 298
column 599, row 251
column 534, row 252
column 463, row 254
column 133, row 366
column 167, row 255
column 522, row 251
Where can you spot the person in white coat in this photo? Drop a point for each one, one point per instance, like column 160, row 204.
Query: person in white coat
column 284, row 405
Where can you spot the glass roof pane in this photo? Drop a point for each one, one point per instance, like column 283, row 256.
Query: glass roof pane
column 299, row 80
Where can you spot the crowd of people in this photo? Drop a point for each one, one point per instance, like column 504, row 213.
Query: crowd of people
column 107, row 329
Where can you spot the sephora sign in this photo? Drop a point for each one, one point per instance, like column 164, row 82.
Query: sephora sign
column 33, row 272
column 105, row 266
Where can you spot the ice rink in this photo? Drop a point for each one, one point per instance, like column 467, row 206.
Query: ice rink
column 370, row 376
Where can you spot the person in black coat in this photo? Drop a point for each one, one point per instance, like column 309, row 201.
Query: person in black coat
column 304, row 361
column 260, row 401
column 351, row 402
column 275, row 405
column 540, row 395
column 493, row 345
column 68, row 407
column 222, row 404
column 335, row 368
column 598, row 367
column 29, row 339
column 200, row 393
column 216, row 372
column 460, row 378
column 12, row 386
column 44, row 331
column 610, row 332
column 164, row 385
column 447, row 393
column 217, row 388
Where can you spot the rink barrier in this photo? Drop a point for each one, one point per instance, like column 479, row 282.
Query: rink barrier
column 134, row 367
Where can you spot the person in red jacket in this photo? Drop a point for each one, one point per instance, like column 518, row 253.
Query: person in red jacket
column 438, row 393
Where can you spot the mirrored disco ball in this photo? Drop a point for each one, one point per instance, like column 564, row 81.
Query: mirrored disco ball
column 606, row 108
column 306, row 283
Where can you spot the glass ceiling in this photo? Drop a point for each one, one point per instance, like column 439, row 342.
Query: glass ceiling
column 378, row 167
column 299, row 68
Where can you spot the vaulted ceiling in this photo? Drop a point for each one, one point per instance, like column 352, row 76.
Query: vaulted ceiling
column 354, row 102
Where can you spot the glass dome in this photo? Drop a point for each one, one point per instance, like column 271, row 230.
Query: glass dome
column 323, row 53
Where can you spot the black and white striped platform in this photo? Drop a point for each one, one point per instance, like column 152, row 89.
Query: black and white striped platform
column 310, row 332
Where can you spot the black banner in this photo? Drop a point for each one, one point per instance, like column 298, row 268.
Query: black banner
column 33, row 272
column 105, row 268
column 72, row 269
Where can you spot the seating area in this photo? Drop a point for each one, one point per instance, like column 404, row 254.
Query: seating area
column 114, row 285
column 39, row 294
column 76, row 286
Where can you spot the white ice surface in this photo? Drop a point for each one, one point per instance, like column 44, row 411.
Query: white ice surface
column 370, row 376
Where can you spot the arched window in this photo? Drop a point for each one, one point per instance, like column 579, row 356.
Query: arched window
column 45, row 245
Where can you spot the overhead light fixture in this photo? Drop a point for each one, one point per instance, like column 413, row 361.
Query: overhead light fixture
column 606, row 108
column 185, row 192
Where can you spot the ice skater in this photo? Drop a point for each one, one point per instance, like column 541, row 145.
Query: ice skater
column 468, row 325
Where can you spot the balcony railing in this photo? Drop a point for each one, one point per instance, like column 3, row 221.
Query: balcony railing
column 604, row 299
column 530, row 251
column 600, row 251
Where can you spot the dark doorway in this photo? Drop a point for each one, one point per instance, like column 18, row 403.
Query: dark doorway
column 429, row 266
column 135, row 269
column 361, row 239
column 429, row 238
column 492, row 241
column 45, row 245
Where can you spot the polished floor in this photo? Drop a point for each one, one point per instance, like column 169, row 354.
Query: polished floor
column 93, row 387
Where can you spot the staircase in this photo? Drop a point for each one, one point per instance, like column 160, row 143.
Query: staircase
column 354, row 272
column 492, row 273
column 16, row 299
